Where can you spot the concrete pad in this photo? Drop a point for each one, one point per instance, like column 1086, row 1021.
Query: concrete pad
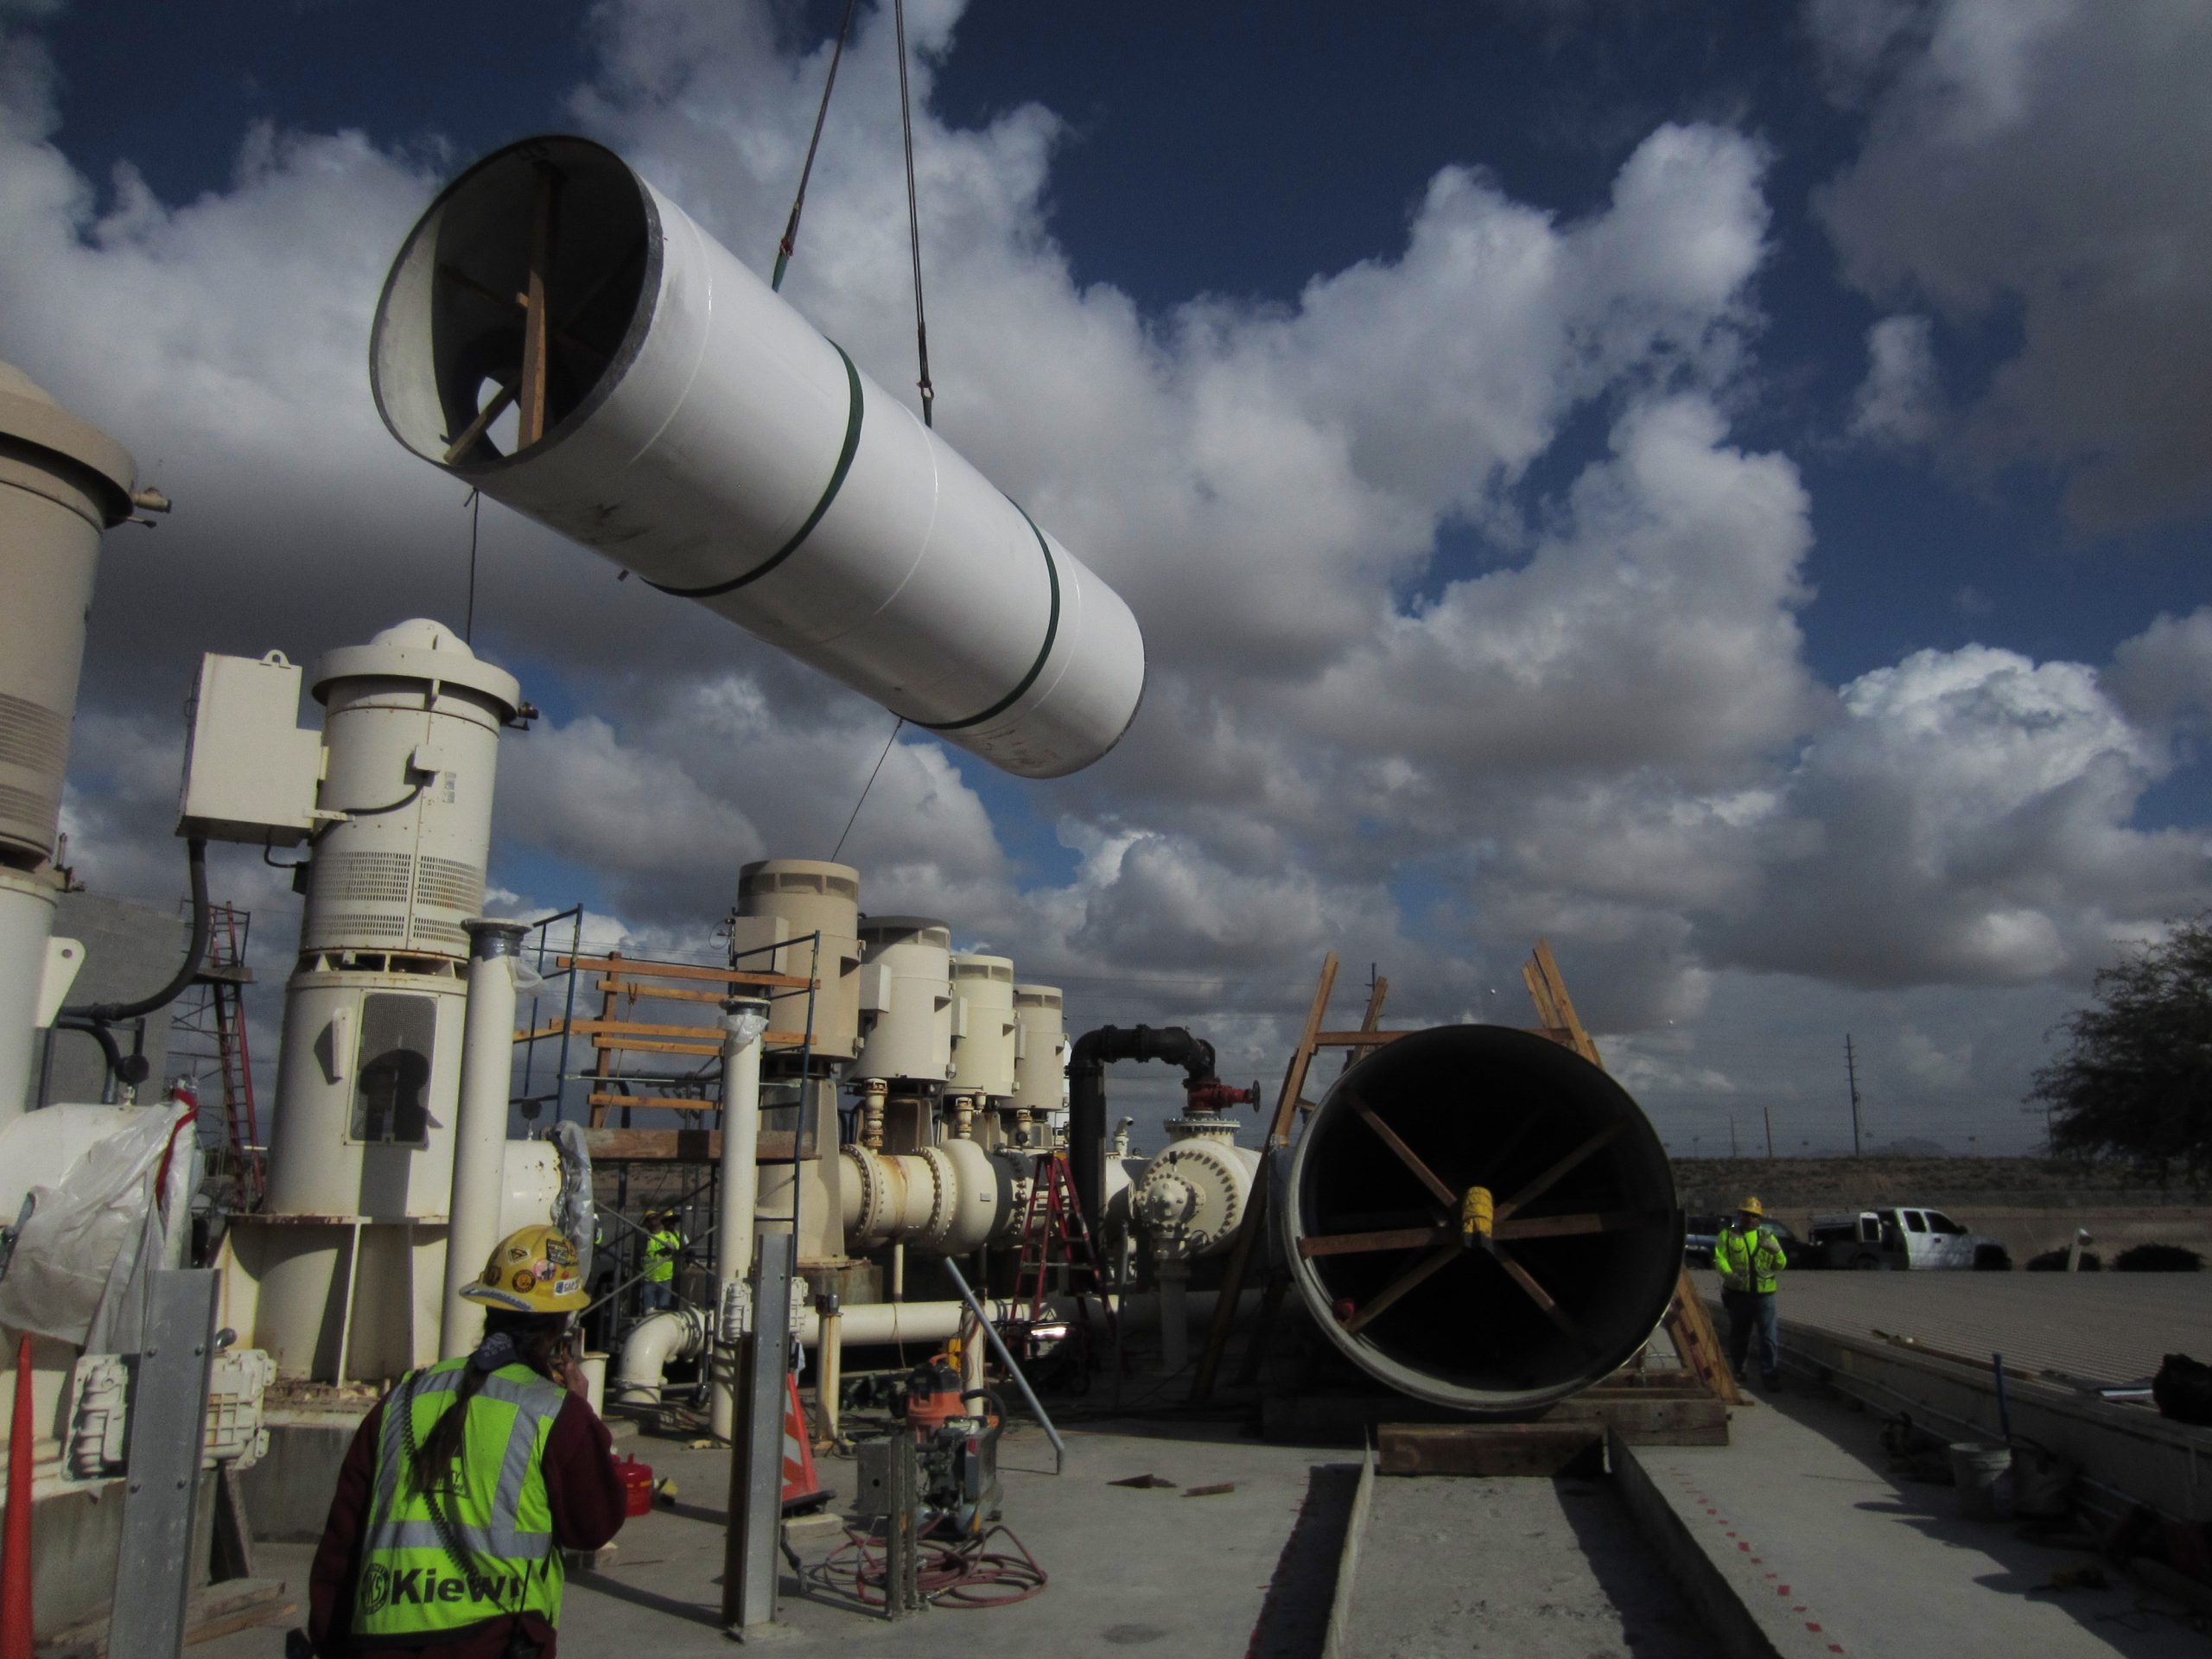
column 1531, row 1568
column 1130, row 1568
column 1831, row 1554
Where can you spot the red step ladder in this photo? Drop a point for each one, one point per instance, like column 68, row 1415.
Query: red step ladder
column 1055, row 1233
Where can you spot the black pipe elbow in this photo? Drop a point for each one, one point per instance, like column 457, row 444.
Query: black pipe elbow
column 1087, row 1062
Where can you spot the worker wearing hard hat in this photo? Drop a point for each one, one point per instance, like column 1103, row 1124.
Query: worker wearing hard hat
column 1751, row 1259
column 469, row 1480
column 663, row 1245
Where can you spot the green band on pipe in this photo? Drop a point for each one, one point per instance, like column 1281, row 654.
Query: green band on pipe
column 1051, row 633
column 836, row 482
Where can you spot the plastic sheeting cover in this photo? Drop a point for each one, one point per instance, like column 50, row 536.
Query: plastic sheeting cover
column 574, row 1212
column 79, row 1271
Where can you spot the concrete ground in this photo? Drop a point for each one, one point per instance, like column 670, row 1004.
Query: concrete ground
column 1836, row 1555
column 1130, row 1568
column 1537, row 1569
column 2100, row 1327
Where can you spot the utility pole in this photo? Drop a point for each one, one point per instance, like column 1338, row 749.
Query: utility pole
column 1851, row 1071
column 1769, row 1113
column 1731, row 1135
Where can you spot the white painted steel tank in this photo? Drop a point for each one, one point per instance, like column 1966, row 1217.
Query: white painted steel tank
column 27, row 898
column 905, row 1000
column 62, row 482
column 413, row 736
column 1191, row 1198
column 780, row 899
column 1041, row 1050
column 697, row 430
column 983, row 1050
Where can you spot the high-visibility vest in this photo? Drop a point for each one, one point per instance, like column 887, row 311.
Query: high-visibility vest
column 660, row 1254
column 493, row 1501
column 1751, row 1261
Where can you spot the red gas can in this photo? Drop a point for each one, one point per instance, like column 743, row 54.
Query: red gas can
column 637, row 1486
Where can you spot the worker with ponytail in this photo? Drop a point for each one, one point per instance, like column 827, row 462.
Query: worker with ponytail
column 469, row 1480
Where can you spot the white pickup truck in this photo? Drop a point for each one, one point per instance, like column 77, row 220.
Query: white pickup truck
column 1901, row 1238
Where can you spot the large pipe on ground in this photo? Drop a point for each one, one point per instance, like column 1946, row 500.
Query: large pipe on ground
column 671, row 413
column 1583, row 1242
column 1087, row 1062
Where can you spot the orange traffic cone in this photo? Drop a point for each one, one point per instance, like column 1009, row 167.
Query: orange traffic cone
column 802, row 1485
column 15, row 1529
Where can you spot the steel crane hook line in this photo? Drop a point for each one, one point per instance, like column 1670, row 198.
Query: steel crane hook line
column 789, row 246
column 913, row 219
column 475, row 505
column 880, row 759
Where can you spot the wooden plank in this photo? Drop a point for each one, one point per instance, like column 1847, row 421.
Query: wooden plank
column 679, row 1145
column 1563, row 1012
column 618, row 1040
column 1690, row 1329
column 473, row 432
column 1487, row 1449
column 1250, row 1230
column 1559, row 1170
column 537, row 317
column 1427, row 1177
column 1357, row 1039
column 661, row 1102
column 1403, row 1238
column 1609, row 1221
column 1699, row 1419
column 634, row 990
column 603, row 1066
column 1437, row 1259
column 619, row 965
column 1538, row 1294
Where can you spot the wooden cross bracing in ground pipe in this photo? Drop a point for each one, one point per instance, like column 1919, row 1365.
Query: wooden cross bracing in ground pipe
column 1686, row 1321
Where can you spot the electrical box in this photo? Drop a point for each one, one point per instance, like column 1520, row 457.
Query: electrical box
column 250, row 772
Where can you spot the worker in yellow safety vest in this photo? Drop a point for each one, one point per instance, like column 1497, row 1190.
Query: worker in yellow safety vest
column 1751, row 1259
column 663, row 1245
column 468, row 1480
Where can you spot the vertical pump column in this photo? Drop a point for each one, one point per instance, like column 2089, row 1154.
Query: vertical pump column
column 743, row 1022
column 62, row 482
column 479, row 1139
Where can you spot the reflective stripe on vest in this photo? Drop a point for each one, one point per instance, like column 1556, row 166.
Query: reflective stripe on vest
column 1751, row 1262
column 495, row 1502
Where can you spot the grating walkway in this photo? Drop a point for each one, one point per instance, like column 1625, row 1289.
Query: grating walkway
column 2099, row 1327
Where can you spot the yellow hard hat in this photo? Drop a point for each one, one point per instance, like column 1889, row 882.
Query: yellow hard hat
column 1750, row 1206
column 532, row 1271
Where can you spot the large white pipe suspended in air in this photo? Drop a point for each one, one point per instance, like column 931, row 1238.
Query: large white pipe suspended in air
column 480, row 1138
column 696, row 429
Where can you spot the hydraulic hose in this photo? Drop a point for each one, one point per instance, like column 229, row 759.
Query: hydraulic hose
column 104, row 1014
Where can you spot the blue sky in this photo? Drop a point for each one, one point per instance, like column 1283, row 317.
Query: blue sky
column 1762, row 599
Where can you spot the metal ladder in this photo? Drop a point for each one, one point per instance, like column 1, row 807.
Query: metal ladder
column 1054, row 1218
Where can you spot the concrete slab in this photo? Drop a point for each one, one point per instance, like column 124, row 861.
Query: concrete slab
column 1130, row 1568
column 2103, row 1327
column 1830, row 1554
column 1533, row 1568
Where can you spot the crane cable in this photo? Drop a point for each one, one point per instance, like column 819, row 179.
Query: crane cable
column 913, row 219
column 786, row 248
column 921, row 318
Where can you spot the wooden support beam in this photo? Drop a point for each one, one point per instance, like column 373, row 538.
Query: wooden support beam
column 1359, row 1039
column 1559, row 1170
column 476, row 429
column 1538, row 1294
column 1250, row 1230
column 1404, row 1285
column 1427, row 1177
column 537, row 318
column 1403, row 1239
column 637, row 967
column 664, row 1103
column 1609, row 1221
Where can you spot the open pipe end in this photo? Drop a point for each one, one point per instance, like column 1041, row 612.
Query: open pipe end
column 515, row 303
column 1584, row 1242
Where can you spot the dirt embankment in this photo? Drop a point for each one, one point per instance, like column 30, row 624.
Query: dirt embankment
column 2031, row 1205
